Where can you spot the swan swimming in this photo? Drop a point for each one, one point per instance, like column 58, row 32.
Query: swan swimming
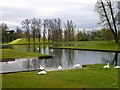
column 106, row 66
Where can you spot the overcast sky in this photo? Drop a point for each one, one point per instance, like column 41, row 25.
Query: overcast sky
column 80, row 11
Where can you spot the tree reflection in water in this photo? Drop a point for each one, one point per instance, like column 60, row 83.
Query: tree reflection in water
column 116, row 60
column 30, row 63
column 26, row 64
column 70, row 57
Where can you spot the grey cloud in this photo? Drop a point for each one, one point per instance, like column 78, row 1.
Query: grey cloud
column 82, row 14
column 16, row 13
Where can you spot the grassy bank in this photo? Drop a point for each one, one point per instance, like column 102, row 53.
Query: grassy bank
column 89, row 77
column 19, row 51
column 93, row 45
column 12, row 53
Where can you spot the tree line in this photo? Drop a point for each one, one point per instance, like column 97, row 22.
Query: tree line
column 52, row 29
column 8, row 35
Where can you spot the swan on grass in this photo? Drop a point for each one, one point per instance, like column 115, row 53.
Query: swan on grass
column 77, row 66
column 42, row 72
column 117, row 67
column 51, row 50
column 37, row 48
column 41, row 67
column 60, row 67
column 106, row 66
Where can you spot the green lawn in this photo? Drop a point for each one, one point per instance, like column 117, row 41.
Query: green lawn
column 89, row 77
column 93, row 45
column 19, row 51
column 11, row 53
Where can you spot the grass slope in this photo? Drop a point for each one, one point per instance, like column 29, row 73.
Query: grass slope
column 19, row 51
column 25, row 41
column 89, row 77
column 15, row 41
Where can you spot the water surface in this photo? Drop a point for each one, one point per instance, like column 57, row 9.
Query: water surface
column 66, row 58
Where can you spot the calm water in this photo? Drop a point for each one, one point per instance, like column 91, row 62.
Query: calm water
column 65, row 58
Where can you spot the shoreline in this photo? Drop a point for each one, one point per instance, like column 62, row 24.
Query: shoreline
column 83, row 66
column 86, row 49
column 12, row 59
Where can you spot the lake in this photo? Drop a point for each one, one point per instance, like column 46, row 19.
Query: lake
column 64, row 57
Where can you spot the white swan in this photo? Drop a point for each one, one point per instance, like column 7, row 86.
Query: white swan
column 37, row 48
column 42, row 72
column 117, row 67
column 41, row 68
column 60, row 67
column 106, row 66
column 51, row 50
column 77, row 66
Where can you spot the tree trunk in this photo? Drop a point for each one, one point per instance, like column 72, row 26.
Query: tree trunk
column 115, row 60
column 116, row 38
column 34, row 40
column 28, row 36
column 114, row 23
column 114, row 32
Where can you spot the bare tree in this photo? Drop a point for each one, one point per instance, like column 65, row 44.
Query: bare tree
column 107, row 14
column 45, row 25
column 39, row 25
column 19, row 32
column 26, row 25
column 3, row 32
column 118, row 15
column 33, row 28
column 59, row 29
column 51, row 29
column 69, row 30
column 36, row 25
